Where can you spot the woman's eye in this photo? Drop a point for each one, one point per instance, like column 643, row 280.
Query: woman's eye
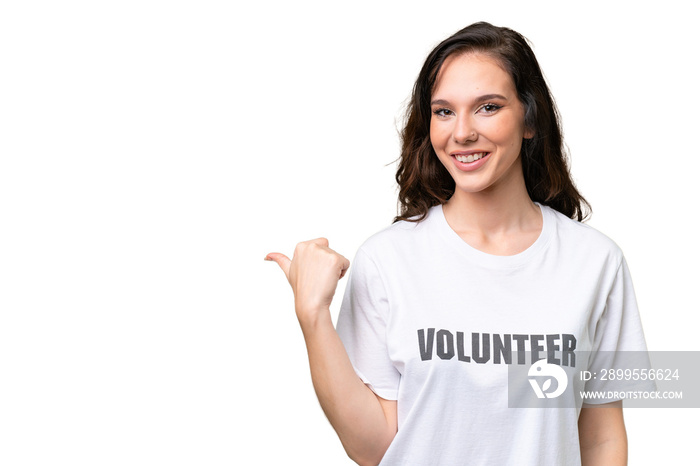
column 442, row 112
column 489, row 108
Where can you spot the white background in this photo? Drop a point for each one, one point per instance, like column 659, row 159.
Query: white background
column 153, row 152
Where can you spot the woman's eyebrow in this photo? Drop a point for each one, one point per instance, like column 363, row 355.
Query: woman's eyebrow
column 481, row 98
column 489, row 97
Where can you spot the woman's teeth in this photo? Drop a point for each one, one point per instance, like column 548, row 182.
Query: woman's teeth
column 471, row 157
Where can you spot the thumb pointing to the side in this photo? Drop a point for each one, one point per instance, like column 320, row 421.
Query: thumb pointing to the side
column 282, row 260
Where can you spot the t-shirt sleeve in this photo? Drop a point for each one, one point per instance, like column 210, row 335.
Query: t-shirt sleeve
column 362, row 327
column 618, row 342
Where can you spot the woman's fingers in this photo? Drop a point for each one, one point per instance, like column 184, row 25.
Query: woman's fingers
column 317, row 248
column 313, row 272
column 345, row 267
column 282, row 260
column 320, row 241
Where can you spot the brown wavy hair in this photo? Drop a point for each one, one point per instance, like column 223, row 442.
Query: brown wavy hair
column 424, row 182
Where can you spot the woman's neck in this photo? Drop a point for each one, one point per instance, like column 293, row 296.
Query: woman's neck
column 498, row 221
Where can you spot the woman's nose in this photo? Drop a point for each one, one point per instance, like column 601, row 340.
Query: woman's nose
column 464, row 130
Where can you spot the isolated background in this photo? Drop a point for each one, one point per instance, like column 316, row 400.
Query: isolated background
column 153, row 152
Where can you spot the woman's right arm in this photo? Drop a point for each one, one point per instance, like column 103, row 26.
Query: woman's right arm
column 365, row 423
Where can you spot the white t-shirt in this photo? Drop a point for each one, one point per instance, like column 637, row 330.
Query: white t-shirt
column 434, row 323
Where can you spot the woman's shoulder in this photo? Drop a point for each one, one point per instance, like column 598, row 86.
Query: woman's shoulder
column 399, row 236
column 585, row 237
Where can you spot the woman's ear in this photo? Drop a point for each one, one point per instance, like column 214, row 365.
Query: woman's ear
column 528, row 134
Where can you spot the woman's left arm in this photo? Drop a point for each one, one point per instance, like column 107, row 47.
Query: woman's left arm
column 602, row 435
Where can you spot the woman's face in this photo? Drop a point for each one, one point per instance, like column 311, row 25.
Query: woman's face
column 477, row 124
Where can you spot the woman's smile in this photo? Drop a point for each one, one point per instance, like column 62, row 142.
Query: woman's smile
column 467, row 160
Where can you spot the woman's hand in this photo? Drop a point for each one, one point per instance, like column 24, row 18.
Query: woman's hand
column 313, row 272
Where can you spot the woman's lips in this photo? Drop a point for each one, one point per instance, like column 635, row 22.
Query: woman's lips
column 469, row 161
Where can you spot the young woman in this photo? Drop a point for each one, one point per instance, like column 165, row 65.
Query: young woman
column 487, row 266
